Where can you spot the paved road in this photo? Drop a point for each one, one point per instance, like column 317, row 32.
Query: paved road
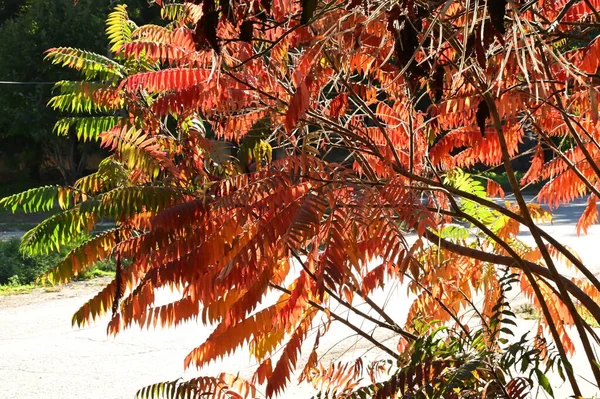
column 42, row 357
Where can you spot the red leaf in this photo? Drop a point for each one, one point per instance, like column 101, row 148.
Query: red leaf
column 338, row 105
column 298, row 106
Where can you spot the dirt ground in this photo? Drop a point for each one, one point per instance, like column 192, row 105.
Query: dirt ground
column 74, row 289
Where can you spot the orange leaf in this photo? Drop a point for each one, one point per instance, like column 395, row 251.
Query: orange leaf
column 494, row 189
column 589, row 216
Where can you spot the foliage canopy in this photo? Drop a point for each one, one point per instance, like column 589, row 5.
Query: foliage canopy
column 273, row 160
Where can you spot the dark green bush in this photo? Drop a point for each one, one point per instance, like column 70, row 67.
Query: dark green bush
column 16, row 269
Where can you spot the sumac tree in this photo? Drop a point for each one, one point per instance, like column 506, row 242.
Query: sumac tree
column 278, row 161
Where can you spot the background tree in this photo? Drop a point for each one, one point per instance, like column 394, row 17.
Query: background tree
column 27, row 30
column 9, row 9
column 269, row 245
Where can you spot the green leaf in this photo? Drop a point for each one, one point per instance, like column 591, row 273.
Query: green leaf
column 86, row 97
column 83, row 257
column 118, row 204
column 544, row 382
column 38, row 199
column 87, row 128
column 172, row 11
column 118, row 27
column 91, row 65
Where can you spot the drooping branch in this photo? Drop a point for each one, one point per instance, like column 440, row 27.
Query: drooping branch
column 504, row 260
column 529, row 222
column 345, row 322
column 391, row 325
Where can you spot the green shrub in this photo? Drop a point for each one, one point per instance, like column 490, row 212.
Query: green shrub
column 15, row 269
column 103, row 268
column 14, row 281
